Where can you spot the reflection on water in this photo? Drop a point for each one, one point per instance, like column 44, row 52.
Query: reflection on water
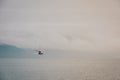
column 59, row 69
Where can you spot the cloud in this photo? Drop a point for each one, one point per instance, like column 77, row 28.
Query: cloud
column 63, row 25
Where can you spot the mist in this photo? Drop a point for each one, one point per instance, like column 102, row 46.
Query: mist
column 66, row 25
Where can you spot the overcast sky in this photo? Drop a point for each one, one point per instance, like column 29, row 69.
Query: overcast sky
column 77, row 25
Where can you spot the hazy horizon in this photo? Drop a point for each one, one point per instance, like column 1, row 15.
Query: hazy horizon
column 66, row 25
column 80, row 39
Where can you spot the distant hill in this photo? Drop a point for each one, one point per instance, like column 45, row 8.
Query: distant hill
column 8, row 51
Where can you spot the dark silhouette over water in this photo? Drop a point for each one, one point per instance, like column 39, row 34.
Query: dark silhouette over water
column 40, row 53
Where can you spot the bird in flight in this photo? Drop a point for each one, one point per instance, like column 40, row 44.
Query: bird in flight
column 39, row 52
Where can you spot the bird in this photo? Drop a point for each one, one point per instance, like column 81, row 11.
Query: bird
column 39, row 52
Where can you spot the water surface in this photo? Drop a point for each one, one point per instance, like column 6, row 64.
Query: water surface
column 59, row 69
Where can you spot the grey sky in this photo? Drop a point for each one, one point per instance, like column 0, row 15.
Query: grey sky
column 77, row 25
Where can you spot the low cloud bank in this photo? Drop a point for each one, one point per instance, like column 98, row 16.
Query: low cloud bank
column 90, row 26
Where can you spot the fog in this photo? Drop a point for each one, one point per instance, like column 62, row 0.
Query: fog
column 68, row 25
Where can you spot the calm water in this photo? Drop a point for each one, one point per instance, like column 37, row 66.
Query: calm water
column 59, row 69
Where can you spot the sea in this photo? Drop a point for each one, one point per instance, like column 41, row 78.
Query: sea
column 59, row 69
